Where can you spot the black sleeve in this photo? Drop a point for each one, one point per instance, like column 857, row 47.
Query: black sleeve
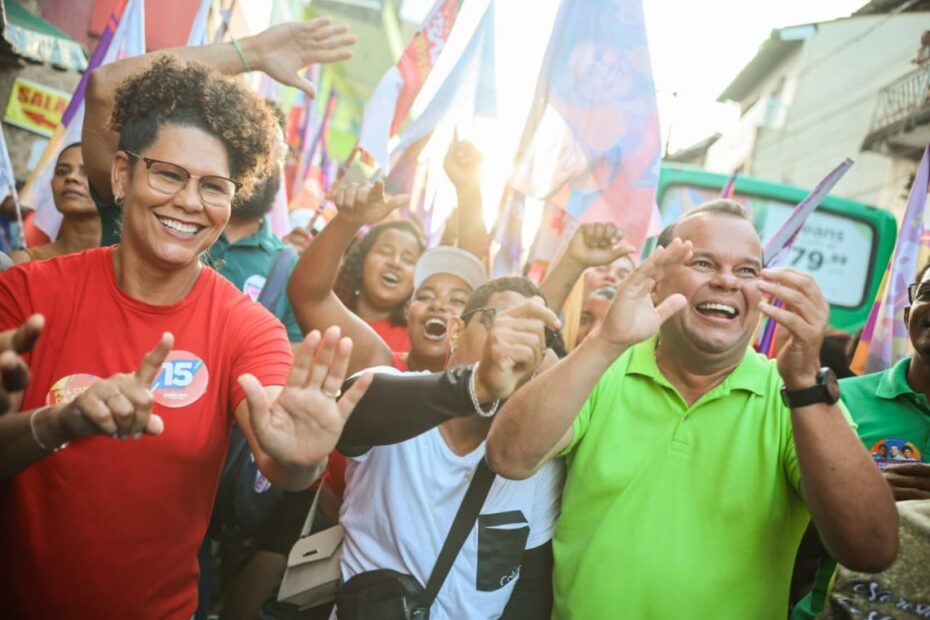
column 399, row 407
column 532, row 596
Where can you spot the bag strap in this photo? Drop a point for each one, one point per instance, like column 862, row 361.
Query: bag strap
column 308, row 522
column 464, row 520
column 277, row 277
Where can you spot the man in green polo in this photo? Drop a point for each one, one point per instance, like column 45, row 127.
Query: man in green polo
column 689, row 479
column 893, row 418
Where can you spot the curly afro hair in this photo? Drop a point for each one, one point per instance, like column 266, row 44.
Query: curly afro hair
column 172, row 91
column 349, row 280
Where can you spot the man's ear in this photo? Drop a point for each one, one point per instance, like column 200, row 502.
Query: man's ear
column 907, row 315
column 119, row 174
column 456, row 327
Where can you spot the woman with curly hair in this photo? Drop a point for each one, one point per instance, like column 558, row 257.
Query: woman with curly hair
column 376, row 279
column 95, row 527
column 80, row 226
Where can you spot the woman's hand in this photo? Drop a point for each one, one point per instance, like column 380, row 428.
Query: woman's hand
column 119, row 406
column 301, row 427
column 283, row 50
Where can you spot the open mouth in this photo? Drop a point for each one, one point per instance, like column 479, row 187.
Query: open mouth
column 390, row 278
column 718, row 310
column 435, row 329
column 179, row 228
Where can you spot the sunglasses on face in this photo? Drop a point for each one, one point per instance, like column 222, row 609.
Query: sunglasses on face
column 489, row 313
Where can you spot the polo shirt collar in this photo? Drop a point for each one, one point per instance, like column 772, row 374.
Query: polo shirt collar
column 263, row 237
column 750, row 375
column 894, row 381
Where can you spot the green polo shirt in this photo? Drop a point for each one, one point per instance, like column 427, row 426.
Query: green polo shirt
column 671, row 511
column 893, row 421
column 246, row 263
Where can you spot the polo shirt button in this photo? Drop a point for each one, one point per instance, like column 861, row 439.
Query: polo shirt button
column 686, row 418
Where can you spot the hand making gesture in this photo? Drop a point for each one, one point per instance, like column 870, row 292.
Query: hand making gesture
column 514, row 348
column 283, row 50
column 121, row 405
column 14, row 373
column 803, row 317
column 596, row 244
column 634, row 316
column 462, row 162
column 366, row 203
column 301, row 426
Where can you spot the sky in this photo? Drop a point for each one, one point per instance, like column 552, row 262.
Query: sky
column 697, row 48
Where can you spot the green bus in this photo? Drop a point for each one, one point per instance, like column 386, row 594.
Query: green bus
column 844, row 244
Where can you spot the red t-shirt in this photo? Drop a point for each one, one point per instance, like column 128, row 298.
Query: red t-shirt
column 108, row 528
column 394, row 336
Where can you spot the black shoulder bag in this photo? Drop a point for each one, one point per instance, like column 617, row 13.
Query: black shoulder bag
column 244, row 497
column 389, row 595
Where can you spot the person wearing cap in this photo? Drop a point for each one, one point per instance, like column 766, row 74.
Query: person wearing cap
column 444, row 277
column 413, row 446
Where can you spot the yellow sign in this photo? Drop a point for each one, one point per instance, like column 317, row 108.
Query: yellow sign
column 36, row 107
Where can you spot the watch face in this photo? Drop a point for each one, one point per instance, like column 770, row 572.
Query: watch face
column 827, row 379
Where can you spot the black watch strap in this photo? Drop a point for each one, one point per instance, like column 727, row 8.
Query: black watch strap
column 826, row 390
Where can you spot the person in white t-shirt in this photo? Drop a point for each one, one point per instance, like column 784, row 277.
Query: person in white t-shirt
column 414, row 444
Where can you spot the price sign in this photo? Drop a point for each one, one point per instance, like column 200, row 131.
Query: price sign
column 832, row 248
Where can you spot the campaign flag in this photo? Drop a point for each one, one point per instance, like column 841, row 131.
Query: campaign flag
column 730, row 188
column 198, row 34
column 123, row 36
column 390, row 103
column 591, row 144
column 885, row 340
column 776, row 249
column 555, row 229
column 508, row 237
column 469, row 89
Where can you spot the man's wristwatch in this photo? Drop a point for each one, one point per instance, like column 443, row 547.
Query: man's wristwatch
column 826, row 390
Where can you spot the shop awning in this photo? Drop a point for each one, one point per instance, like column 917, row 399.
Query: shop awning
column 31, row 37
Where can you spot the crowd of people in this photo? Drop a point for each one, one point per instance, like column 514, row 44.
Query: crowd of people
column 185, row 396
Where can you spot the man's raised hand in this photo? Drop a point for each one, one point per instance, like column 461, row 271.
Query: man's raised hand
column 634, row 316
column 301, row 427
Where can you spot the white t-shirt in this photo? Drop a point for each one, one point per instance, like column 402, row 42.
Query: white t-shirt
column 399, row 504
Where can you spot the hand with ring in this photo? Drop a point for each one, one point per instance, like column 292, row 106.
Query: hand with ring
column 304, row 422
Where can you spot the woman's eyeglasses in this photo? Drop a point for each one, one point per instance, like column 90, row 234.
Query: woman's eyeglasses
column 169, row 179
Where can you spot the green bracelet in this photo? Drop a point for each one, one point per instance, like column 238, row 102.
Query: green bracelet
column 245, row 63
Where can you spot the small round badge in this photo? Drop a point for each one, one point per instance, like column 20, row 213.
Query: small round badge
column 253, row 286
column 183, row 379
column 67, row 388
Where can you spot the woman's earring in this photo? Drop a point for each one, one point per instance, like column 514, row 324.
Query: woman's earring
column 118, row 201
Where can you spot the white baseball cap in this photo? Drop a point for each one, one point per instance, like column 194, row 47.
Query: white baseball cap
column 446, row 259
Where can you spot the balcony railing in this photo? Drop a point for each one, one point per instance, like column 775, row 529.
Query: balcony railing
column 900, row 105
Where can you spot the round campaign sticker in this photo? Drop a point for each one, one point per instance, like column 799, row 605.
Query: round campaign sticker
column 182, row 380
column 253, row 286
column 67, row 388
column 890, row 451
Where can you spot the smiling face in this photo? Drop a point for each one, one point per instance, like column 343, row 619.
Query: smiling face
column 719, row 282
column 69, row 185
column 441, row 297
column 171, row 231
column 387, row 272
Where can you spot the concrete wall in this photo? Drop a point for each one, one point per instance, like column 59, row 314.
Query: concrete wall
column 839, row 73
